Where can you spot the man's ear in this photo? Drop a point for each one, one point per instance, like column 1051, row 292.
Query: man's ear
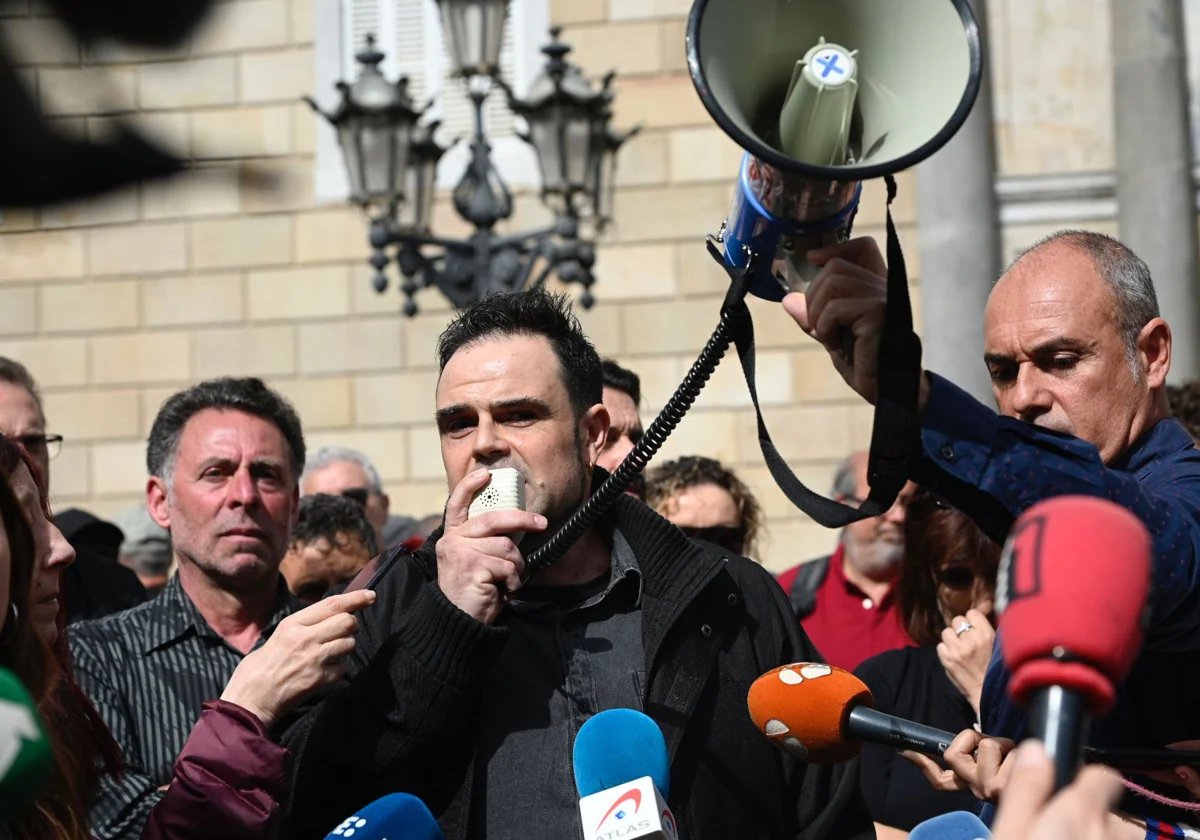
column 387, row 503
column 156, row 502
column 1154, row 352
column 594, row 429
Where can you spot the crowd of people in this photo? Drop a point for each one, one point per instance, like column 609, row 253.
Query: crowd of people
column 265, row 646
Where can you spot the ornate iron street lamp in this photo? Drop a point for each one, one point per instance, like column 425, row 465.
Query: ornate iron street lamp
column 391, row 158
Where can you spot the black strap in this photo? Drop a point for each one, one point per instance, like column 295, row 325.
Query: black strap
column 803, row 593
column 896, row 436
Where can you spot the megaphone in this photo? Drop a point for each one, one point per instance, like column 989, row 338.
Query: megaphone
column 822, row 96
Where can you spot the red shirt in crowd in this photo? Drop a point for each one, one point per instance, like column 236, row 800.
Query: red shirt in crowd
column 847, row 626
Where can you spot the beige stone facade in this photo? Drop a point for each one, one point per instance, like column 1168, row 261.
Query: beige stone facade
column 115, row 303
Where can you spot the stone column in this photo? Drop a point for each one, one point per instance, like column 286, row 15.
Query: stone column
column 1156, row 194
column 959, row 229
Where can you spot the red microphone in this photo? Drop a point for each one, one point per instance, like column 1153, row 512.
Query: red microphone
column 1071, row 592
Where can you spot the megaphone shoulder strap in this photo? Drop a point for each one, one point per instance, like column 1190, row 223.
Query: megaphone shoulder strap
column 895, row 438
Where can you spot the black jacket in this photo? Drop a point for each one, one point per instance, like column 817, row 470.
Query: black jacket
column 96, row 584
column 711, row 624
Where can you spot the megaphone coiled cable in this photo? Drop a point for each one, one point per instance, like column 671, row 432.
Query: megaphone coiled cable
column 653, row 438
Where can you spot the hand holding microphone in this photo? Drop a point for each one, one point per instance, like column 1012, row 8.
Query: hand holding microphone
column 478, row 560
column 1083, row 809
column 978, row 763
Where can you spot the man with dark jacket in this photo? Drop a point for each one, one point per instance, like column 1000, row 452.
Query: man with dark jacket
column 468, row 684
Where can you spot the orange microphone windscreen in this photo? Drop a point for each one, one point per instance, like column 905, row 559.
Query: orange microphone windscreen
column 802, row 709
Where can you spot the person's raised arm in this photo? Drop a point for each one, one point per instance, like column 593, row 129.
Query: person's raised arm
column 231, row 777
column 994, row 468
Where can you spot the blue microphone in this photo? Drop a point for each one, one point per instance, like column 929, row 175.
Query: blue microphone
column 623, row 774
column 956, row 825
column 397, row 816
column 617, row 746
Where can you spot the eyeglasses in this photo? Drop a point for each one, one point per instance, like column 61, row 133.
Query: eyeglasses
column 729, row 537
column 358, row 494
column 955, row 576
column 51, row 445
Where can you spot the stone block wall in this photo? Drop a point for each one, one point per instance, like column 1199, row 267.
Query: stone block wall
column 235, row 269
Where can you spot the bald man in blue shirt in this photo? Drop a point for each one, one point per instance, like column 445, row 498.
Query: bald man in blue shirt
column 1078, row 355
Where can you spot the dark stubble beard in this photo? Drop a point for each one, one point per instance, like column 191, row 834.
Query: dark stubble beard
column 555, row 519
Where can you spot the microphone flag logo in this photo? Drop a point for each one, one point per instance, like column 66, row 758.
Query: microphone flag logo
column 18, row 725
column 1020, row 572
column 668, row 821
column 632, row 796
column 349, row 827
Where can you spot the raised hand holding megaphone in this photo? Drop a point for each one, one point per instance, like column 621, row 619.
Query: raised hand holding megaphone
column 823, row 96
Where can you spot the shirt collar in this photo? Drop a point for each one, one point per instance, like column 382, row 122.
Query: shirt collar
column 173, row 616
column 624, row 565
column 1163, row 440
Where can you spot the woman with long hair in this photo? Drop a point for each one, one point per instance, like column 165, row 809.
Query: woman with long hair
column 36, row 652
column 944, row 595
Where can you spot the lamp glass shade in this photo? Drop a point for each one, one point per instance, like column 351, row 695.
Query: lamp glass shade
column 375, row 147
column 604, row 182
column 563, row 135
column 419, row 181
column 474, row 34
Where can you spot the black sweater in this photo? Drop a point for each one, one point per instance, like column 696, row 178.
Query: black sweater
column 405, row 719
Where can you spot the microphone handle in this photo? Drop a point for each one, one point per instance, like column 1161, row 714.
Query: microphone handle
column 1059, row 717
column 875, row 727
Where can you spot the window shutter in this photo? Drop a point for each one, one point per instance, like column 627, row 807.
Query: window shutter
column 362, row 18
column 411, row 38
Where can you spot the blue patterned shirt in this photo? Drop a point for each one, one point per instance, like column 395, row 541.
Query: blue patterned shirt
column 994, row 468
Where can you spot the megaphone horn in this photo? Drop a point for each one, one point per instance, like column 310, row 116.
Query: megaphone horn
column 823, row 96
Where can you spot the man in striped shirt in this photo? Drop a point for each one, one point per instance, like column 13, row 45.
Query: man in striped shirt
column 224, row 459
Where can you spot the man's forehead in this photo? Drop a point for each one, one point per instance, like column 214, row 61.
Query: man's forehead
column 499, row 368
column 221, row 433
column 1046, row 296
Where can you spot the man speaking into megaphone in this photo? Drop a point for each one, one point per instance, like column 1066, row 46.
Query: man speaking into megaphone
column 1078, row 356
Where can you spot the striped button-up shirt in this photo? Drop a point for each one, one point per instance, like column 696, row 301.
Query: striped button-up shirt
column 148, row 670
